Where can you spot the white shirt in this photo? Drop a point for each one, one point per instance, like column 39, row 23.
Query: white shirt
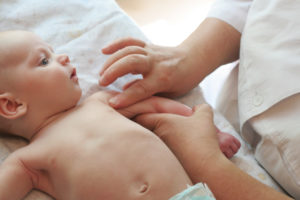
column 233, row 12
column 268, row 82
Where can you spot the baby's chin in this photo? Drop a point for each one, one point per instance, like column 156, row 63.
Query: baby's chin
column 74, row 100
column 79, row 97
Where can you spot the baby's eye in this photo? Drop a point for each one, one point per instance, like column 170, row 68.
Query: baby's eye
column 45, row 61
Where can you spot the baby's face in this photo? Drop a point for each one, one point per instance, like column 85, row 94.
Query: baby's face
column 36, row 74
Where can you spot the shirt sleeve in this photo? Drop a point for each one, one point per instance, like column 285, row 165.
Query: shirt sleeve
column 233, row 12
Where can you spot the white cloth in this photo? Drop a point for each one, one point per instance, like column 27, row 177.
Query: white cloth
column 278, row 149
column 268, row 89
column 80, row 29
column 269, row 56
column 268, row 74
column 233, row 12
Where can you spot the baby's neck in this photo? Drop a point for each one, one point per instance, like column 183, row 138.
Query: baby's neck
column 44, row 124
column 30, row 126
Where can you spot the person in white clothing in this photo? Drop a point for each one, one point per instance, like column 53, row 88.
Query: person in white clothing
column 263, row 35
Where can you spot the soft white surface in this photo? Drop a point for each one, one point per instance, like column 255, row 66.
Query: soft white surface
column 80, row 28
column 269, row 88
column 233, row 12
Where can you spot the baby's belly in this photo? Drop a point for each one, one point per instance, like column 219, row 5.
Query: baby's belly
column 126, row 163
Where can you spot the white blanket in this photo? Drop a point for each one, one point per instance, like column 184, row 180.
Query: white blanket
column 80, row 29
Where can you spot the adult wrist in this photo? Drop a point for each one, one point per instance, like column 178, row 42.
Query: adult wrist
column 211, row 45
column 210, row 168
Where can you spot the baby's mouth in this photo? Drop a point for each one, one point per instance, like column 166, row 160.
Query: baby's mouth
column 74, row 75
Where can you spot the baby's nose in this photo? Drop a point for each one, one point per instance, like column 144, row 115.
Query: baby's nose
column 63, row 59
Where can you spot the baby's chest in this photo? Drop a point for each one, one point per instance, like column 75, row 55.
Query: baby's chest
column 83, row 134
column 92, row 113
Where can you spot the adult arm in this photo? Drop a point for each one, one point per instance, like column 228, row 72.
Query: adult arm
column 172, row 71
column 194, row 142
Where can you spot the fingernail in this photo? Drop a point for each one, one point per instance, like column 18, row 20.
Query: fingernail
column 102, row 80
column 104, row 49
column 114, row 101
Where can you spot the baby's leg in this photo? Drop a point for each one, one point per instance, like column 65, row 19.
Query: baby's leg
column 229, row 144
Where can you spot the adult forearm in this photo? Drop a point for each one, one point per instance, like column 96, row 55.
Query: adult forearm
column 228, row 182
column 169, row 71
column 211, row 45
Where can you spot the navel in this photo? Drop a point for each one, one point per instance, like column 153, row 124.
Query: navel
column 144, row 188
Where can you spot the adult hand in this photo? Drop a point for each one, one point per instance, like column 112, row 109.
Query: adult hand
column 172, row 71
column 194, row 142
column 192, row 139
column 164, row 70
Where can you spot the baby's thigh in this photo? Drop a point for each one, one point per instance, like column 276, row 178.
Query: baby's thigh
column 279, row 145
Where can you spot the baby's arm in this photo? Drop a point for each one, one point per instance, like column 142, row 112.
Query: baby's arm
column 15, row 180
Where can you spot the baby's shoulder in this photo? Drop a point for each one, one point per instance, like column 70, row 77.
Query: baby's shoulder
column 26, row 154
column 101, row 96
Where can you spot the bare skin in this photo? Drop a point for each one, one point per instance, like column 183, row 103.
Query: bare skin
column 76, row 157
column 211, row 45
column 226, row 180
column 77, row 152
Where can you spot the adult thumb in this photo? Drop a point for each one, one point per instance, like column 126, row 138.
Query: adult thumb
column 203, row 109
column 152, row 121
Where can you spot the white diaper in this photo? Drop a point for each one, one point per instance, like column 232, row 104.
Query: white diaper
column 196, row 192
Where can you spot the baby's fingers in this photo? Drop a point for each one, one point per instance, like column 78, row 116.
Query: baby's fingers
column 121, row 43
column 131, row 50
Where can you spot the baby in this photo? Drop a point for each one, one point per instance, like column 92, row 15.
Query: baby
column 89, row 151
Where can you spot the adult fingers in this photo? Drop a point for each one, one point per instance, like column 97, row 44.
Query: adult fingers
column 121, row 43
column 120, row 54
column 203, row 109
column 134, row 64
column 154, row 121
column 138, row 90
column 130, row 83
column 156, row 104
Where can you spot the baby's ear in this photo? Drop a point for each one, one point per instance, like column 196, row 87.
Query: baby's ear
column 10, row 107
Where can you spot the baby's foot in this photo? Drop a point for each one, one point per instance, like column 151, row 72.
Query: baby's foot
column 229, row 144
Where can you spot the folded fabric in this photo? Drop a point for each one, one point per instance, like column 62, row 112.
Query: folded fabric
column 196, row 192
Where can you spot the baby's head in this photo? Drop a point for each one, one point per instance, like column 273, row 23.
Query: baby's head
column 35, row 83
